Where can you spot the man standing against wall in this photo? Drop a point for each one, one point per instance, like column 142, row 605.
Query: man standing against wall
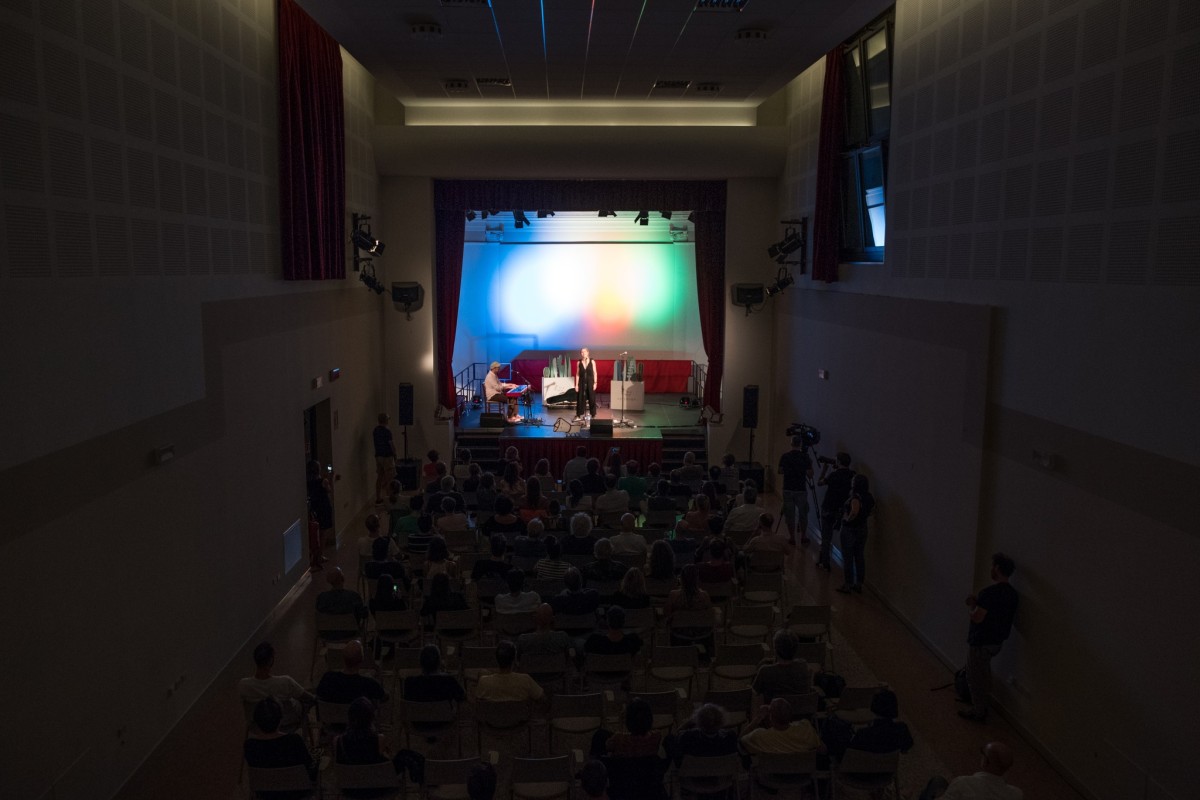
column 796, row 468
column 991, row 613
column 385, row 457
column 837, row 492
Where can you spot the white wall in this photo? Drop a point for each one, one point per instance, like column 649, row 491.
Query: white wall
column 1036, row 180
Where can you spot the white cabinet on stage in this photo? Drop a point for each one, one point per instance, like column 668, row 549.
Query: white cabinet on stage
column 628, row 396
column 553, row 387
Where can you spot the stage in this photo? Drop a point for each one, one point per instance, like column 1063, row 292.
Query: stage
column 662, row 432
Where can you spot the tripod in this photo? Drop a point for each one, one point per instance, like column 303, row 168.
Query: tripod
column 809, row 486
column 622, row 422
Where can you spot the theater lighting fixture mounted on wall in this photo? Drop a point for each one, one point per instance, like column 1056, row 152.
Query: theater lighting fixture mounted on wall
column 364, row 241
column 367, row 276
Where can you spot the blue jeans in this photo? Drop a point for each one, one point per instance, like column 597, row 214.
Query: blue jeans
column 854, row 545
column 794, row 505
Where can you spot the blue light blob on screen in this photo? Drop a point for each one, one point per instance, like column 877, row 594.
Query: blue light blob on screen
column 608, row 296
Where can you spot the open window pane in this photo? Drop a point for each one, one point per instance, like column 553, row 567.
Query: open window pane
column 879, row 83
column 856, row 111
column 852, row 229
column 871, row 172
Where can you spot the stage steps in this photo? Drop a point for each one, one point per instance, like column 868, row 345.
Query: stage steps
column 676, row 443
column 484, row 444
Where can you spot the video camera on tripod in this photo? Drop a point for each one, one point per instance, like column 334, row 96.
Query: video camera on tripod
column 810, row 435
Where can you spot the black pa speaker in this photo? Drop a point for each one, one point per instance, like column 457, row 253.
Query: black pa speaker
column 490, row 420
column 750, row 406
column 407, row 470
column 602, row 427
column 405, row 406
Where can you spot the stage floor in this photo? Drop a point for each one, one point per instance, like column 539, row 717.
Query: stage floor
column 662, row 413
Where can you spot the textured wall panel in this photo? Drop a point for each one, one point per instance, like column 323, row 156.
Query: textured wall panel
column 162, row 52
column 108, row 171
column 166, row 119
column 63, row 86
column 1129, row 252
column 1022, row 127
column 1085, row 244
column 191, row 68
column 1014, row 255
column 927, row 56
column 25, row 253
column 949, row 49
column 21, row 157
column 996, row 74
column 1055, row 118
column 67, row 163
column 922, row 158
column 61, row 16
column 218, row 196
column 193, row 128
column 958, row 258
column 974, row 27
column 999, row 21
column 1050, row 193
column 940, row 199
column 199, row 260
column 1141, row 94
column 139, row 108
column 989, row 194
column 966, row 147
column 1062, row 47
column 1181, row 172
column 170, row 184
column 1026, row 63
column 993, row 136
column 100, row 26
column 919, row 209
column 1046, row 254
column 222, row 259
column 1095, row 114
column 1090, row 179
column 139, row 169
column 174, row 248
column 134, row 36
column 214, row 137
column 937, row 256
column 73, row 253
column 943, row 149
column 1027, row 12
column 918, row 249
column 1185, row 82
column 1134, row 174
column 143, row 247
column 1147, row 22
column 986, row 255
column 946, row 96
column 103, row 96
column 1101, row 33
column 112, row 246
column 963, row 210
column 195, row 190
column 1178, row 240
column 1018, row 191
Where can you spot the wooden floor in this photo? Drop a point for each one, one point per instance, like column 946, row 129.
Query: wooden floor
column 200, row 758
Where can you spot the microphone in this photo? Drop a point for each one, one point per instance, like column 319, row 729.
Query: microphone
column 625, row 353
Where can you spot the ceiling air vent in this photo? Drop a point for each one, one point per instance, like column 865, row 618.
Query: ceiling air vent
column 709, row 89
column 456, row 85
column 671, row 84
column 425, row 30
column 750, row 36
column 506, row 82
column 467, row 3
column 720, row 5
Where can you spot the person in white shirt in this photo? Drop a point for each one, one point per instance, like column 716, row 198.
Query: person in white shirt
column 576, row 468
column 744, row 518
column 629, row 540
column 517, row 600
column 373, row 532
column 495, row 390
column 614, row 500
column 987, row 784
column 292, row 697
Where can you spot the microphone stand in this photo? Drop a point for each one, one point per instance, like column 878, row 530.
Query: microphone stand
column 622, row 422
column 527, row 401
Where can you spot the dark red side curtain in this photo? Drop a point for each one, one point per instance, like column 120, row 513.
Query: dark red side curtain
column 710, row 292
column 827, row 213
column 312, row 149
column 705, row 198
column 448, row 259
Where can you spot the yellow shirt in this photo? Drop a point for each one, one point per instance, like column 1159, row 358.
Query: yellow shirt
column 799, row 737
column 508, row 686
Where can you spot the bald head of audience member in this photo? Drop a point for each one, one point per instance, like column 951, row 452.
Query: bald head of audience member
column 997, row 758
column 780, row 713
column 352, row 656
column 628, row 521
column 543, row 618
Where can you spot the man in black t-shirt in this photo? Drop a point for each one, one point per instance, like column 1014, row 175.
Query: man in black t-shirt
column 837, row 492
column 385, row 456
column 991, row 614
column 796, row 468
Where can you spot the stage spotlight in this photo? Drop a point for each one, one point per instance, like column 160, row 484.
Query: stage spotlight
column 470, row 216
column 520, row 220
column 790, row 243
column 607, row 214
column 783, row 280
column 367, row 276
column 362, row 238
column 642, row 218
column 665, row 214
column 543, row 213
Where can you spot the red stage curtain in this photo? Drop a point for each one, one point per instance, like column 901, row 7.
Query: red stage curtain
column 710, row 292
column 827, row 243
column 447, row 287
column 706, row 198
column 312, row 149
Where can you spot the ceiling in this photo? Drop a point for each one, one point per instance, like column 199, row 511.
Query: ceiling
column 587, row 53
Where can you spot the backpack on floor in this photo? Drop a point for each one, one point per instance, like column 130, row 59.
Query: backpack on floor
column 961, row 687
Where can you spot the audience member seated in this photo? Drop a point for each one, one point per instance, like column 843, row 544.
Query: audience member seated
column 581, row 541
column 690, row 472
column 541, row 471
column 516, row 600
column 383, row 561
column 433, row 470
column 613, row 640
column 633, row 484
column 553, row 516
column 987, row 784
column 390, row 595
column 404, row 524
column 662, row 562
column 486, row 495
column 592, row 480
column 511, row 482
column 363, row 744
column 267, row 748
column 717, row 566
column 453, row 518
column 447, row 487
column 787, row 675
column 696, row 520
column 544, row 641
column 884, row 734
column 481, row 783
column 293, row 699
column 683, row 544
column 575, row 600
column 531, row 544
column 744, row 518
column 628, row 540
column 766, row 540
column 374, row 532
column 614, row 500
column 441, row 598
column 494, row 568
column 506, row 684
column 470, row 484
column 503, row 520
column 661, row 500
column 773, row 731
column 438, row 561
column 340, row 600
column 343, row 686
column 418, row 542
column 552, row 567
column 593, row 780
column 533, row 502
column 603, row 569
column 432, row 685
column 640, row 741
column 689, row 597
column 704, row 735
column 576, row 499
column 576, row 468
column 632, row 593
column 730, row 475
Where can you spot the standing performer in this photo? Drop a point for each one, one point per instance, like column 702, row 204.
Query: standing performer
column 585, row 384
column 494, row 389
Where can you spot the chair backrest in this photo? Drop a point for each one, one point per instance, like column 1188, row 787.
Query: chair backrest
column 763, row 587
column 579, row 561
column 390, row 623
column 685, row 656
column 659, row 588
column 369, row 776
column 449, row 772
column 705, row 618
column 544, row 663
column 425, row 711
column 751, row 615
column 487, row 589
column 502, row 714
column 332, row 713
column 726, row 766
column 631, row 560
column 574, row 622
column 813, row 653
column 660, row 702
column 767, row 561
column 733, row 700
column 661, row 518
column 862, row 762
column 477, row 658
column 608, row 663
column 803, row 705
column 739, row 654
column 546, row 587
column 639, row 620
column 513, row 624
column 465, row 620
column 810, row 615
column 577, row 705
column 856, row 697
column 406, row 660
column 336, row 625
column 784, row 763
column 279, row 779
column 720, row 592
column 546, row 772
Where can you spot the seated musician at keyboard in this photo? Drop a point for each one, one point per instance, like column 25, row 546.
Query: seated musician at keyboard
column 495, row 389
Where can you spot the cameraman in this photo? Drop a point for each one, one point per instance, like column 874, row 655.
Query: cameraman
column 837, row 492
column 796, row 468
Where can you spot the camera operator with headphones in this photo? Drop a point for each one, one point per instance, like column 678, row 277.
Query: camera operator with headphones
column 837, row 492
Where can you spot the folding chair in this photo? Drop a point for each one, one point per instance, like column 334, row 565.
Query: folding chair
column 546, row 669
column 575, row 625
column 870, row 772
column 804, row 706
column 456, row 626
column 738, row 705
column 332, row 630
column 722, row 593
column 542, row 778
column 603, row 670
column 446, row 779
column 674, row 665
column 762, row 589
column 778, row 772
column 575, row 714
column 753, row 623
column 709, row 776
column 380, row 780
column 854, row 704
column 280, row 779
column 510, row 626
column 814, row 654
column 737, row 662
column 503, row 718
column 663, row 705
column 813, row 623
column 631, row 560
column 766, row 562
column 430, row 720
column 474, row 662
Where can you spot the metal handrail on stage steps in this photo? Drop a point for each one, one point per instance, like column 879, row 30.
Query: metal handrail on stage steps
column 468, row 383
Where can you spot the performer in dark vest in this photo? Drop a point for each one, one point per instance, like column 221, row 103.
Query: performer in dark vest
column 585, row 384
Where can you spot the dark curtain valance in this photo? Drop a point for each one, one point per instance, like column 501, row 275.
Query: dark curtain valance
column 706, row 198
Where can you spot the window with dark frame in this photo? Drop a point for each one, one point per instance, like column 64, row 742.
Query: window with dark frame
column 868, row 83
